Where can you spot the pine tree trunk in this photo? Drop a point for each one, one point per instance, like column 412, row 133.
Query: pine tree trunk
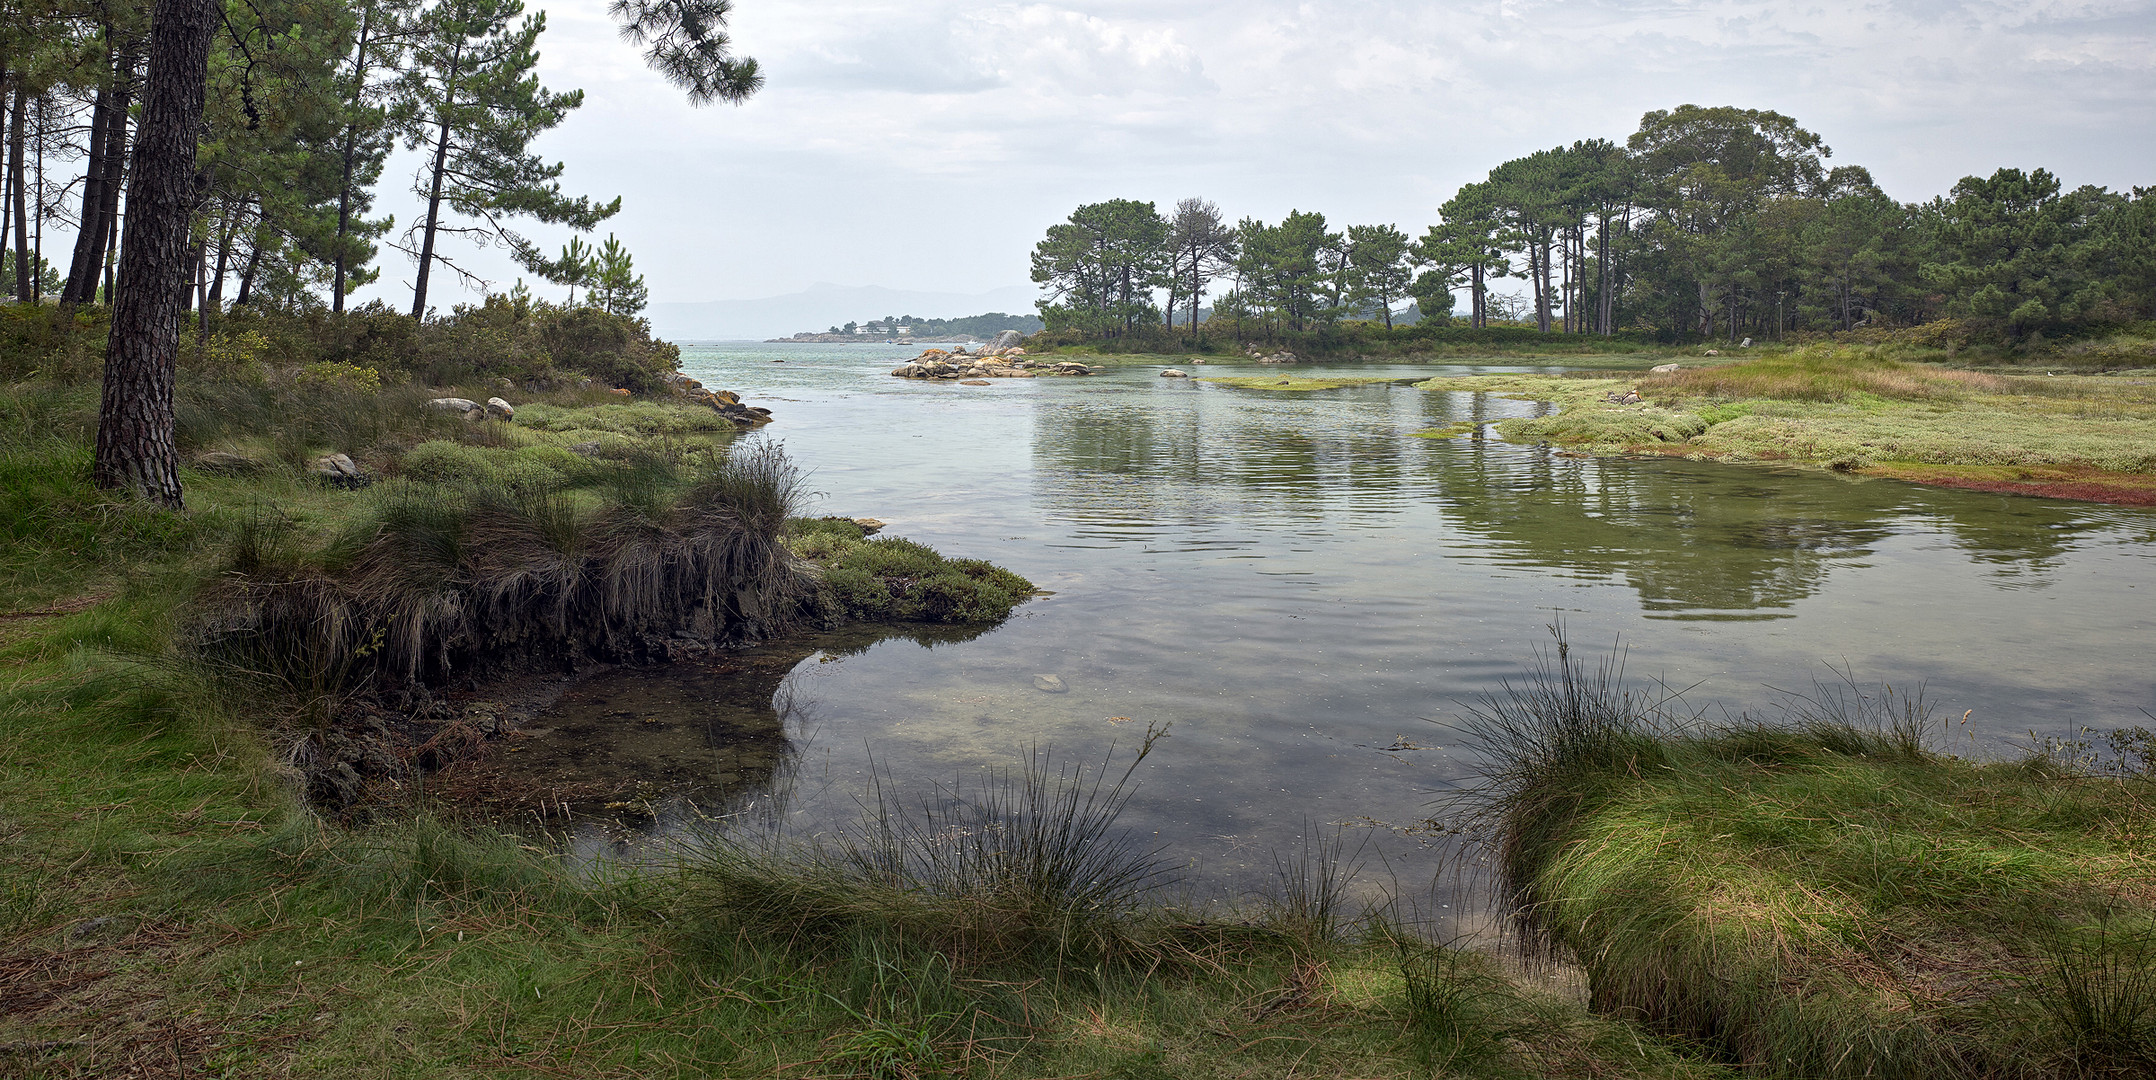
column 25, row 270
column 106, row 251
column 434, row 214
column 135, row 447
column 247, row 276
column 81, row 268
column 351, row 156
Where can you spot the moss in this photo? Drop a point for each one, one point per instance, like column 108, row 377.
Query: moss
column 891, row 579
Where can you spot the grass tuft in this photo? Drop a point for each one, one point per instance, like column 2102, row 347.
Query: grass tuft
column 1817, row 893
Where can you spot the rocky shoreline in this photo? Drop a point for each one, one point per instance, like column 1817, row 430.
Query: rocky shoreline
column 1002, row 358
column 724, row 402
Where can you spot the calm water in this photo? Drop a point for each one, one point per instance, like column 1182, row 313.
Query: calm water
column 1297, row 582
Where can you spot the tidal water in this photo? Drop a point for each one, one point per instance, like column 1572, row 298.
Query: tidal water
column 1310, row 595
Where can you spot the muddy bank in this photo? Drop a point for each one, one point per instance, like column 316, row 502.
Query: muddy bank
column 609, row 740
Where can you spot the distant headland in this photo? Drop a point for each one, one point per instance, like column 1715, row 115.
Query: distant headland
column 911, row 329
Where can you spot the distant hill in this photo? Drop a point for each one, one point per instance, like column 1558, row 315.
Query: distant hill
column 820, row 305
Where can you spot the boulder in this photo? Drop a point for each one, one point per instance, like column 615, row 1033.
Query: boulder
column 869, row 526
column 585, row 449
column 975, row 382
column 1662, row 368
column 1172, row 373
column 500, row 410
column 1052, row 684
column 1072, row 367
column 465, row 407
column 1005, row 339
column 1745, row 344
column 339, row 470
column 1714, row 352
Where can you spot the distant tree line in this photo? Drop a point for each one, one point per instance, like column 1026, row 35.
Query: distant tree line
column 1707, row 223
column 981, row 326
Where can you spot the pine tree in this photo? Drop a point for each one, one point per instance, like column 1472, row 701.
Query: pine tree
column 469, row 97
column 616, row 286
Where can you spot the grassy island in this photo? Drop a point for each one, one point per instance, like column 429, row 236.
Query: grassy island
column 1867, row 411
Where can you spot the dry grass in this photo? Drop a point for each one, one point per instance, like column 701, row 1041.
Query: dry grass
column 2091, row 437
column 1817, row 373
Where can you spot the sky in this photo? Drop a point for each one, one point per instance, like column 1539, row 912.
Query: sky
column 928, row 144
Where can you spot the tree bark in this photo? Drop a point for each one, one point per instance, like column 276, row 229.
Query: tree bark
column 25, row 270
column 135, row 448
column 247, row 276
column 434, row 195
column 80, row 272
column 351, row 152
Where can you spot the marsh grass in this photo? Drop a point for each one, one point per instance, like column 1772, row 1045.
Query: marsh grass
column 1815, row 892
column 1027, row 865
column 1819, row 373
column 440, row 577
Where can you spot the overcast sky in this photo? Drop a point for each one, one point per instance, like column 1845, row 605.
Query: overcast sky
column 927, row 144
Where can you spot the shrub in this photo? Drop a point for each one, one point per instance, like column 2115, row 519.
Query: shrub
column 338, row 375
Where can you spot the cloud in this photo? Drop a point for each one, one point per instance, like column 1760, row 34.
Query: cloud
column 887, row 125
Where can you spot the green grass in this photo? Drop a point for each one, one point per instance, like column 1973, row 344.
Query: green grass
column 1858, row 409
column 1819, row 894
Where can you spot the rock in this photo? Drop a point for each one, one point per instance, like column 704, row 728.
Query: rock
column 1171, row 373
column 1661, row 368
column 1745, row 344
column 618, row 392
column 469, row 409
column 869, row 526
column 1050, row 683
column 1199, row 360
column 586, row 449
column 1072, row 367
column 500, row 410
column 907, row 370
column 339, row 470
column 224, row 463
column 975, row 382
column 1005, row 339
column 1714, row 352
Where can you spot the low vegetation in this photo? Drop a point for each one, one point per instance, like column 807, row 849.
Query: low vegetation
column 1295, row 381
column 1822, row 894
column 1863, row 409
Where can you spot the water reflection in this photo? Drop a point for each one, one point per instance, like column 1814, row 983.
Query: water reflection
column 644, row 749
column 1213, row 467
